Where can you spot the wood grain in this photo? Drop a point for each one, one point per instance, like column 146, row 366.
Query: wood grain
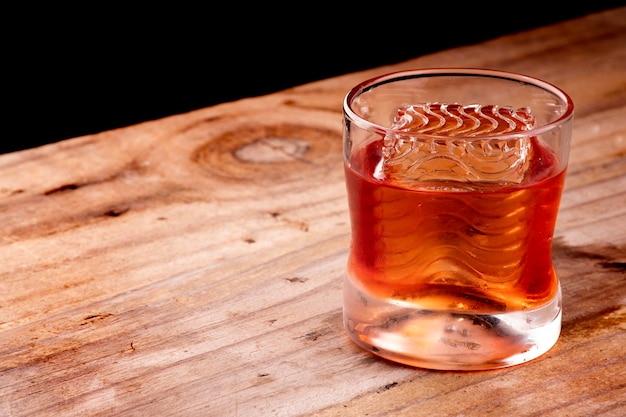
column 192, row 265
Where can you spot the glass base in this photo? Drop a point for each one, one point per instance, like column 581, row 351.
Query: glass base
column 449, row 340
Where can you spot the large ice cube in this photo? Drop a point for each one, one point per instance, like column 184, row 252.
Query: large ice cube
column 454, row 142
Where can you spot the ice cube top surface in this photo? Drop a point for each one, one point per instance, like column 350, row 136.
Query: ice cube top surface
column 459, row 120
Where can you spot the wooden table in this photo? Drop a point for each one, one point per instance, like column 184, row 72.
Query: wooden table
column 192, row 265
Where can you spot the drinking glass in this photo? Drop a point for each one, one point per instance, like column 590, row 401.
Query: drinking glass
column 454, row 179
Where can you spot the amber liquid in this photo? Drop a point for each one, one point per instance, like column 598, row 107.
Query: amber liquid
column 483, row 250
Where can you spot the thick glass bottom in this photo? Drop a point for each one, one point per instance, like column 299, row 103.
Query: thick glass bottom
column 448, row 340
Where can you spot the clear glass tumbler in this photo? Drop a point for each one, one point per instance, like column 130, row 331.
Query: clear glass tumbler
column 454, row 179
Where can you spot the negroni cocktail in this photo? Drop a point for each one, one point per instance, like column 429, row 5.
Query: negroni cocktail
column 453, row 208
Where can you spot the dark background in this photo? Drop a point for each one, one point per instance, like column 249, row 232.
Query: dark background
column 80, row 71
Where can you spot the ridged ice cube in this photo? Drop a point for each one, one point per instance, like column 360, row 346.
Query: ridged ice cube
column 454, row 142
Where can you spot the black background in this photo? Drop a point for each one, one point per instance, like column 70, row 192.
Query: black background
column 79, row 71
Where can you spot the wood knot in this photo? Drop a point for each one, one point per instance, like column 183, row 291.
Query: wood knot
column 272, row 150
column 267, row 154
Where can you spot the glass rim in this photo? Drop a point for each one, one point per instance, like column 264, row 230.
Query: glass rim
column 455, row 71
